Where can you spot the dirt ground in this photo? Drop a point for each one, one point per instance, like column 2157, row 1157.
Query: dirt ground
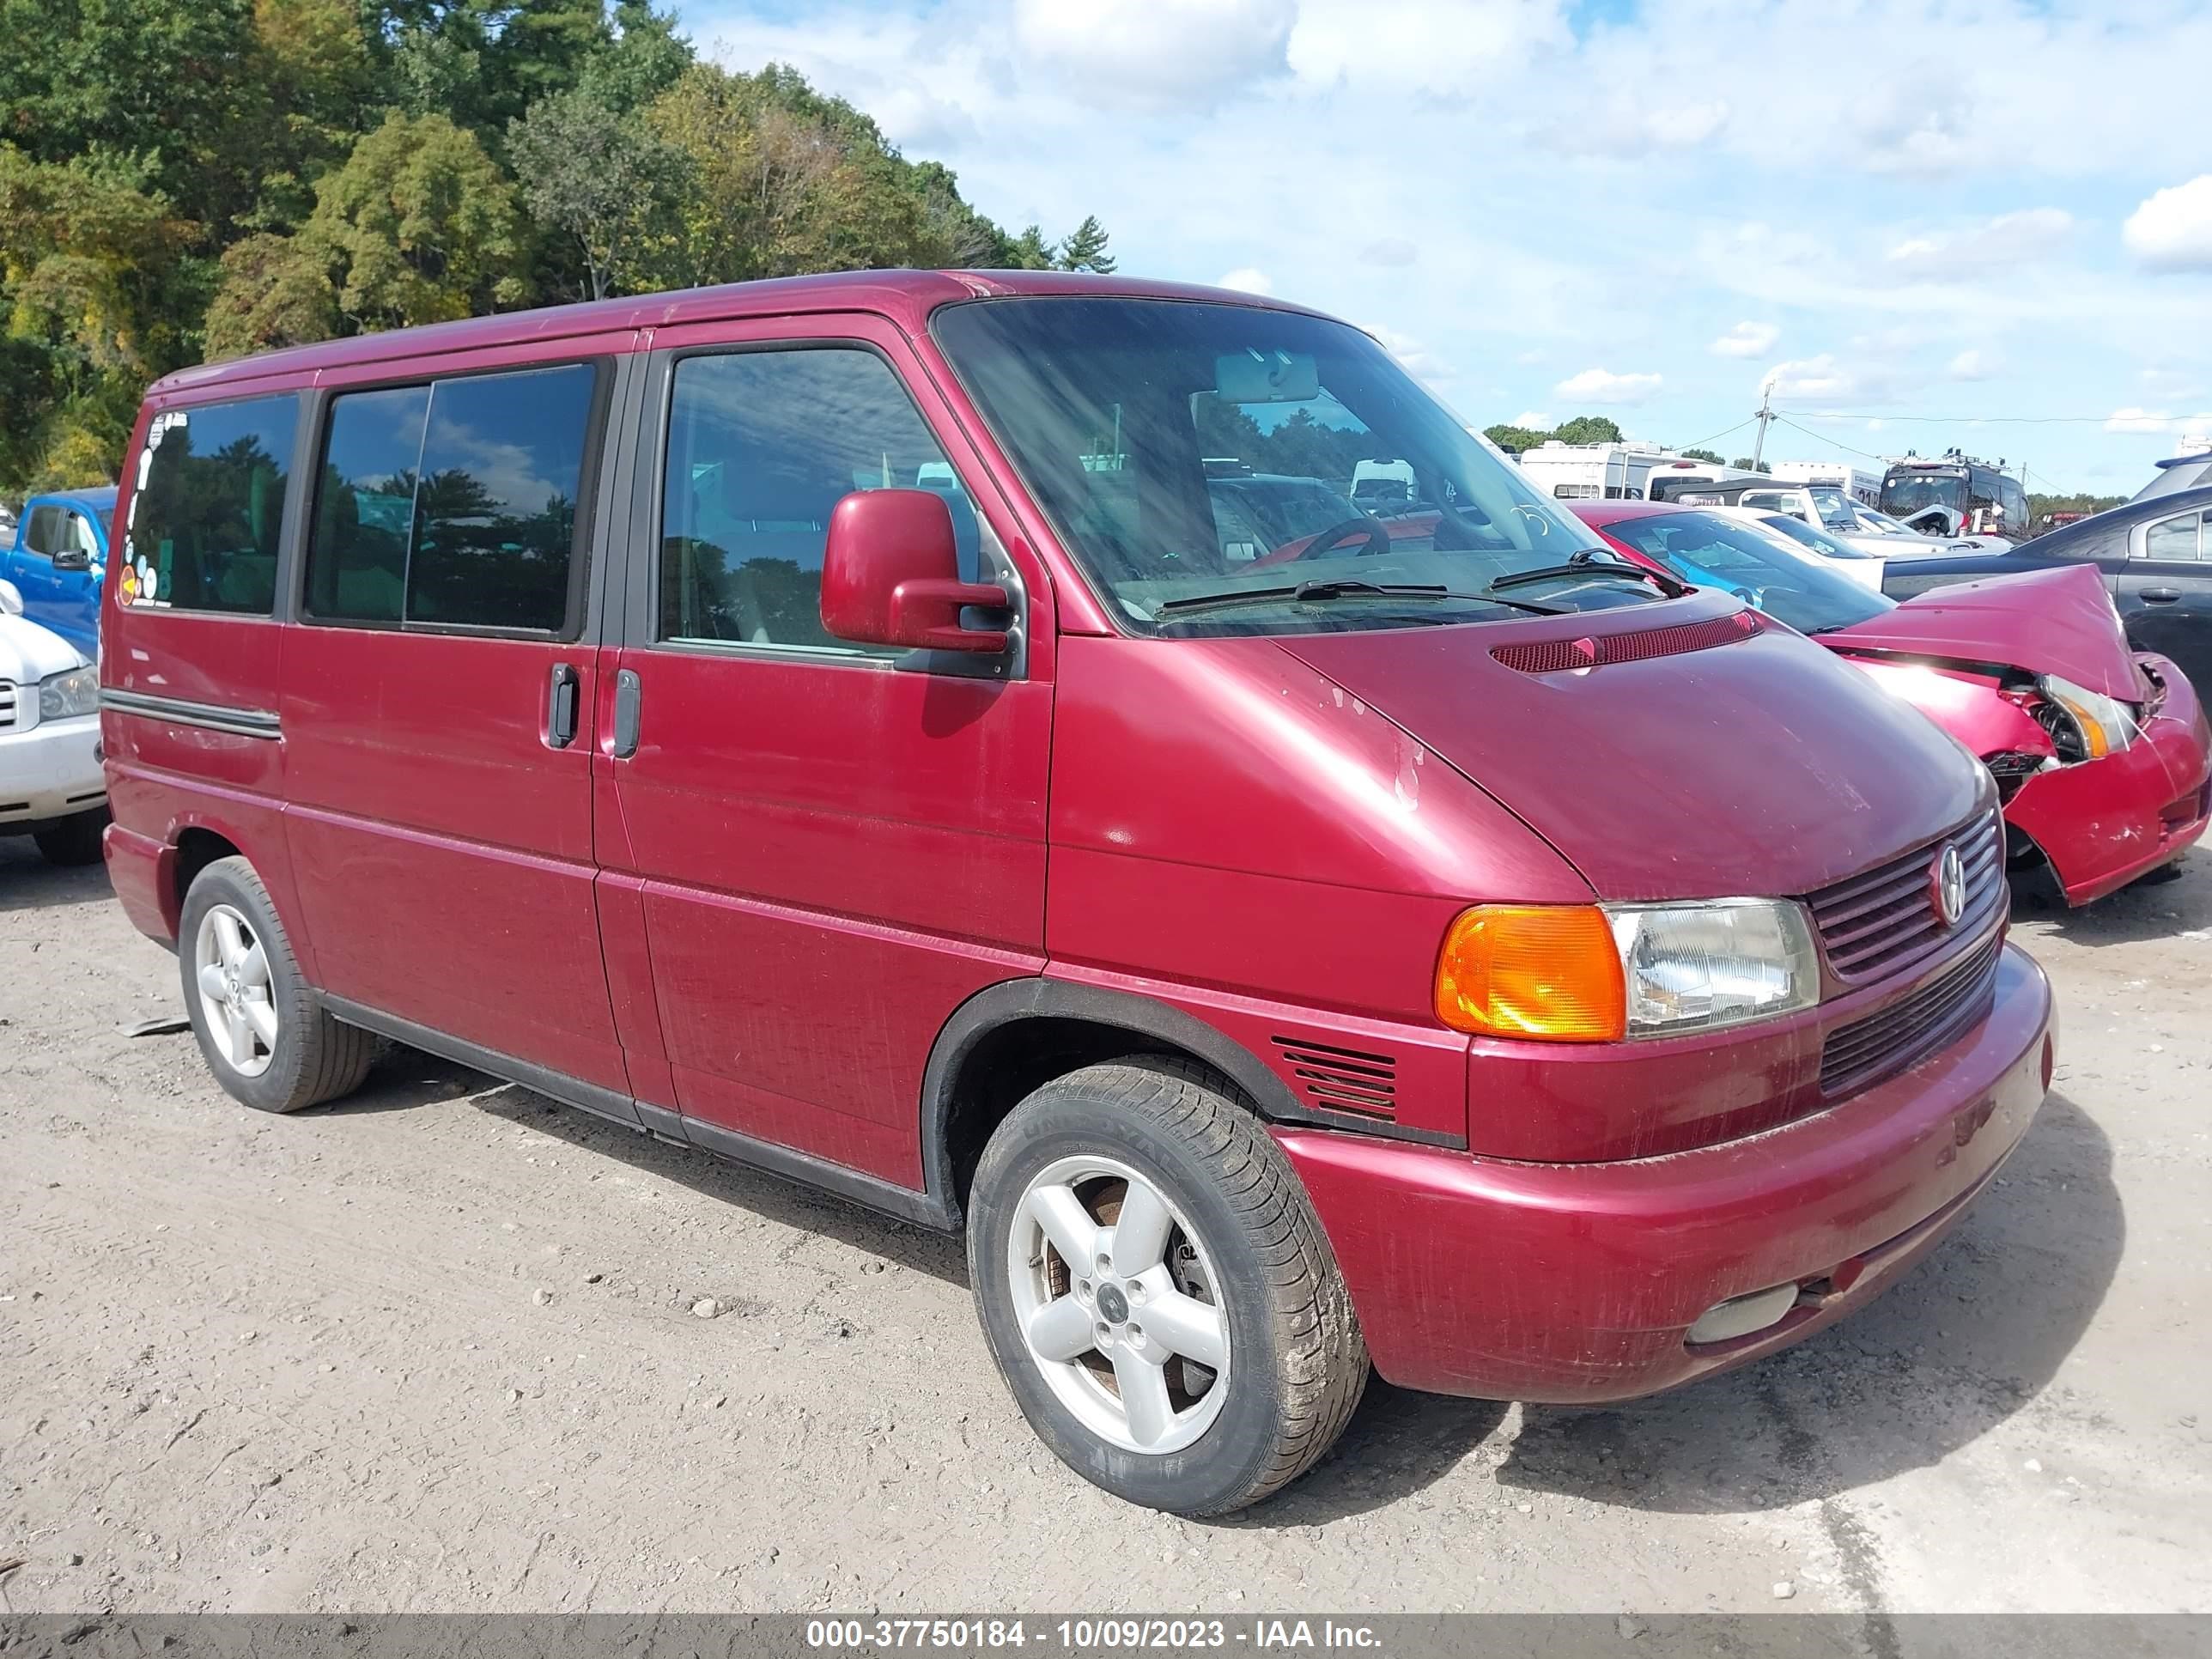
column 432, row 1349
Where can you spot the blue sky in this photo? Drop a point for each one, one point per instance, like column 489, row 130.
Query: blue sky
column 1925, row 222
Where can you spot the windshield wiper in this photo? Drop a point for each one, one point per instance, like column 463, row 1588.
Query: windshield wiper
column 1346, row 589
column 1589, row 562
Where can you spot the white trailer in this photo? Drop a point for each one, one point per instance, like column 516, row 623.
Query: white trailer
column 1594, row 472
column 1861, row 485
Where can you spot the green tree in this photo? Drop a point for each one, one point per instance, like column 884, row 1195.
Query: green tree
column 1745, row 463
column 275, row 291
column 1028, row 251
column 1588, row 429
column 92, row 282
column 1704, row 455
column 1513, row 438
column 598, row 178
column 1085, row 248
column 419, row 226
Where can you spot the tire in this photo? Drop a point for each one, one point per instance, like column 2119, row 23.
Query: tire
column 1244, row 1277
column 298, row 1055
column 74, row 840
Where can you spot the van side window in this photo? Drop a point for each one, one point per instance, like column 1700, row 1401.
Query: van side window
column 761, row 445
column 452, row 504
column 205, row 523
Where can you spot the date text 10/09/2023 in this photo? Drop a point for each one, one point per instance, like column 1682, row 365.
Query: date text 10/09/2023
column 1087, row 1635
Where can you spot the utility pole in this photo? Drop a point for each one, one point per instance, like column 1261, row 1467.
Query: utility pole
column 1765, row 414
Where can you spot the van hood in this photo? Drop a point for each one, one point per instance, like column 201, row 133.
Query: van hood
column 1760, row 766
column 2046, row 621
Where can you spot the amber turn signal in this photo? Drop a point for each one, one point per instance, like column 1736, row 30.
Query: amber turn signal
column 1546, row 971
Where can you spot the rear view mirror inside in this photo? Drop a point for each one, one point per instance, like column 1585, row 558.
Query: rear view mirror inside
column 1273, row 377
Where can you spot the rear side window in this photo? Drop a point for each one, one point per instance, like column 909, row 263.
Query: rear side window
column 761, row 445
column 453, row 504
column 2172, row 538
column 210, row 507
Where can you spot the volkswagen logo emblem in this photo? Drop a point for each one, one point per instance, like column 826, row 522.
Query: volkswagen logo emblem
column 1947, row 885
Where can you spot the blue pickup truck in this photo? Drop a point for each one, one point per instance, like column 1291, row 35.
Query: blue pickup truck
column 58, row 559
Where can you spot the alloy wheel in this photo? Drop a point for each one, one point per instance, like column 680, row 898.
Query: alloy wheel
column 1118, row 1305
column 232, row 971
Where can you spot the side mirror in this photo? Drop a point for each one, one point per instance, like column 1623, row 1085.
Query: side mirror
column 891, row 575
column 72, row 558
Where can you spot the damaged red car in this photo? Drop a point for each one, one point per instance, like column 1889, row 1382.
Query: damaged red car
column 2101, row 754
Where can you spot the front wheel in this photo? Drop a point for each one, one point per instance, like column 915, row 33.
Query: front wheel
column 1158, row 1292
column 74, row 840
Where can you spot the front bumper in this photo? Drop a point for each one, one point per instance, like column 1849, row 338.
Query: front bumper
column 2103, row 822
column 50, row 770
column 1577, row 1284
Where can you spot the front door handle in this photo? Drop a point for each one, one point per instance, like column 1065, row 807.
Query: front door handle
column 2159, row 595
column 561, row 707
column 629, row 691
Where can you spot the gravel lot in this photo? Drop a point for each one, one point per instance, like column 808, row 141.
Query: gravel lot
column 436, row 1348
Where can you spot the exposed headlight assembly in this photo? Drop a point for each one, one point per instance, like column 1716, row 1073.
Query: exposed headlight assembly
column 2085, row 724
column 72, row 691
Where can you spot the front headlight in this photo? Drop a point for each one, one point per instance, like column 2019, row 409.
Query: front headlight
column 72, row 691
column 1694, row 967
column 1600, row 972
column 2101, row 725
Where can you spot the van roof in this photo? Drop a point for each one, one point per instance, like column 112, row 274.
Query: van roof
column 907, row 296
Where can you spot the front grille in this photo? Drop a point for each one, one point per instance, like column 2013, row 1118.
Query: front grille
column 1556, row 656
column 1893, row 1039
column 1342, row 1079
column 1883, row 920
column 7, row 705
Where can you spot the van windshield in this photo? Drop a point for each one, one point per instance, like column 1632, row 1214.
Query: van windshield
column 1190, row 453
column 1904, row 494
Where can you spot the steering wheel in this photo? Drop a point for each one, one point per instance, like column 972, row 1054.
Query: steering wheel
column 1370, row 530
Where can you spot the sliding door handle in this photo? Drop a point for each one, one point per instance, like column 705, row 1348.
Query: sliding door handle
column 561, row 707
column 629, row 691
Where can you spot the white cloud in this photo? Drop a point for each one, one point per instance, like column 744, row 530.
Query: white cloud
column 1630, row 127
column 1156, row 54
column 1972, row 364
column 1603, row 386
column 1418, row 360
column 1747, row 340
column 2144, row 420
column 2029, row 233
column 1534, row 419
column 2172, row 230
column 1247, row 280
column 1818, row 379
column 1446, row 49
column 1390, row 251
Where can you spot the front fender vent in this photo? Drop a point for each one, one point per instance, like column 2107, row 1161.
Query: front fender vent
column 1557, row 656
column 1342, row 1079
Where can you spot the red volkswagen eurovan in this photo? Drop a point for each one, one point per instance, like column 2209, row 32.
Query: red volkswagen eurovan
column 862, row 726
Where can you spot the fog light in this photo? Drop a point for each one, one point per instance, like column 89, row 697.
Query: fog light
column 1740, row 1316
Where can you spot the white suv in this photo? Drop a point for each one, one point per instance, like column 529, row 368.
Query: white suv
column 52, row 786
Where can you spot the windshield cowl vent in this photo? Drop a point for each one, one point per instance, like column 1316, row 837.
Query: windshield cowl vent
column 1557, row 656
